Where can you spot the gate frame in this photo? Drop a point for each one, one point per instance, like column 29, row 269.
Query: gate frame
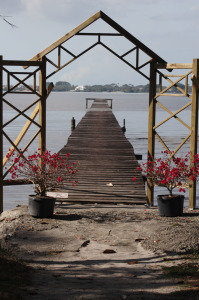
column 155, row 62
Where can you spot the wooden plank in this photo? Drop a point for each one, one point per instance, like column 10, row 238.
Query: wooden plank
column 151, row 124
column 23, row 63
column 173, row 66
column 105, row 157
column 1, row 138
column 194, row 129
column 42, row 105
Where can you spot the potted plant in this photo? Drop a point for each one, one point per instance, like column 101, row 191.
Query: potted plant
column 44, row 170
column 170, row 172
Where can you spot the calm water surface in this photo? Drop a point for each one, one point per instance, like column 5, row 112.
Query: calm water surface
column 61, row 107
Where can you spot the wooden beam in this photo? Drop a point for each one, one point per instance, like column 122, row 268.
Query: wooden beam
column 195, row 81
column 194, row 128
column 125, row 61
column 1, row 137
column 173, row 66
column 42, row 105
column 96, row 34
column 132, row 39
column 21, row 63
column 67, row 36
column 151, row 124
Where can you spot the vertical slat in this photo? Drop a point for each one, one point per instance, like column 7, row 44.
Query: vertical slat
column 194, row 130
column 160, row 83
column 186, row 85
column 59, row 57
column 151, row 133
column 42, row 105
column 137, row 58
column 34, row 82
column 8, row 81
column 1, row 138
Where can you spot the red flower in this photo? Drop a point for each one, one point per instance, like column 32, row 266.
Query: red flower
column 134, row 179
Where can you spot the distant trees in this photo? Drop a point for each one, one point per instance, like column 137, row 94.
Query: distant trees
column 63, row 86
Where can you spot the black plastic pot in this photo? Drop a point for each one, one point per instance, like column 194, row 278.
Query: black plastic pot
column 41, row 207
column 170, row 206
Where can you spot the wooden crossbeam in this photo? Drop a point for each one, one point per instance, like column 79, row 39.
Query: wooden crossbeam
column 173, row 84
column 27, row 125
column 66, row 37
column 174, row 115
column 9, row 90
column 128, row 52
column 66, row 50
column 120, row 31
column 21, row 63
column 102, row 34
column 170, row 81
column 125, row 61
column 132, row 39
column 70, row 61
column 162, row 142
column 180, row 146
column 19, row 114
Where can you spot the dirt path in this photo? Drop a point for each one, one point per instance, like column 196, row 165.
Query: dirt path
column 99, row 252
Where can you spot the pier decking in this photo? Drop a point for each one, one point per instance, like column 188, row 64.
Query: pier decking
column 107, row 160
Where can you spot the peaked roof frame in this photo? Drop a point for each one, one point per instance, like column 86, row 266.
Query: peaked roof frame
column 137, row 45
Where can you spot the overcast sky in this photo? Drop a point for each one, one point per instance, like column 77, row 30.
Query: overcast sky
column 169, row 27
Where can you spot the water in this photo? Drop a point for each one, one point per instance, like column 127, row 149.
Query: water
column 61, row 107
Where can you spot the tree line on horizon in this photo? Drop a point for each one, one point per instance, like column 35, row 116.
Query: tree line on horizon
column 64, row 86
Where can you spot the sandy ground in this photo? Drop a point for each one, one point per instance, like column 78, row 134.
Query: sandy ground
column 100, row 251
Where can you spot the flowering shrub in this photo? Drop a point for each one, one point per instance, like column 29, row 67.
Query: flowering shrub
column 171, row 172
column 43, row 170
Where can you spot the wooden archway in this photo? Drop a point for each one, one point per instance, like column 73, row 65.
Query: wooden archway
column 154, row 63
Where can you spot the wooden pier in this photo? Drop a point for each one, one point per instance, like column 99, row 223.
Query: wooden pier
column 107, row 160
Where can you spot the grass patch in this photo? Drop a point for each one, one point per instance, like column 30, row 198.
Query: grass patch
column 14, row 275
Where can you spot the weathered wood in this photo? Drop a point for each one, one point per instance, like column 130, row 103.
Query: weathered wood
column 194, row 129
column 173, row 115
column 151, row 124
column 173, row 66
column 1, row 136
column 106, row 157
column 42, row 105
column 176, row 117
column 28, row 123
column 173, row 84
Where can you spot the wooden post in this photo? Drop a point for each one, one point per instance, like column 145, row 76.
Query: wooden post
column 194, row 129
column 1, row 138
column 42, row 105
column 151, row 124
column 72, row 124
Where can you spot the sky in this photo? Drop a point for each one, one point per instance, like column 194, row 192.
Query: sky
column 169, row 27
